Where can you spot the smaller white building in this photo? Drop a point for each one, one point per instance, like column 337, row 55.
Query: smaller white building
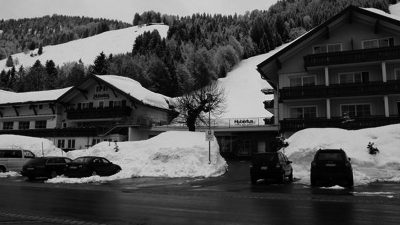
column 102, row 108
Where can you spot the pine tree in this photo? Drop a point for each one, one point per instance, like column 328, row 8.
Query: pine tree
column 9, row 62
column 51, row 75
column 40, row 51
column 100, row 66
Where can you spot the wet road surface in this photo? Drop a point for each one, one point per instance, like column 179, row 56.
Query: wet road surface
column 229, row 199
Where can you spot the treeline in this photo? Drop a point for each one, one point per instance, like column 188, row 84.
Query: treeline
column 27, row 34
column 202, row 47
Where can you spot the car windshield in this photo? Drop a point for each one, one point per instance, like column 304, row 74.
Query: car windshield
column 81, row 160
column 334, row 156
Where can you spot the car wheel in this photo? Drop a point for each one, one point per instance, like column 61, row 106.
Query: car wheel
column 94, row 173
column 2, row 169
column 291, row 176
column 53, row 174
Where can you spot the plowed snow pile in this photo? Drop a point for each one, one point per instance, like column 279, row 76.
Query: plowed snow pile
column 384, row 166
column 30, row 143
column 170, row 154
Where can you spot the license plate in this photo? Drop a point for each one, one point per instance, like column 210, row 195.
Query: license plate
column 264, row 167
column 330, row 164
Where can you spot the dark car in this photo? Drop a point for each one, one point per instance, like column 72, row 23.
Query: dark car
column 270, row 165
column 90, row 166
column 331, row 167
column 48, row 167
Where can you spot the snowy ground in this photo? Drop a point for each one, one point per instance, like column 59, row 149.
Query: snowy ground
column 170, row 154
column 385, row 166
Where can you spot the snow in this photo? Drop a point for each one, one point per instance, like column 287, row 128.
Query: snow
column 243, row 85
column 87, row 49
column 30, row 143
column 9, row 174
column 395, row 9
column 367, row 168
column 170, row 154
column 135, row 89
column 35, row 96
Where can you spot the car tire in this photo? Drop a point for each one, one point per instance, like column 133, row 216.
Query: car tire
column 2, row 169
column 53, row 174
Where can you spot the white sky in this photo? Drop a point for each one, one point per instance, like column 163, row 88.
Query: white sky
column 124, row 9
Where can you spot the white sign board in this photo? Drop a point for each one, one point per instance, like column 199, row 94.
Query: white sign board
column 209, row 135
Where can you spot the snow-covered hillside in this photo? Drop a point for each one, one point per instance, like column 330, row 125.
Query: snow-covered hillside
column 367, row 168
column 86, row 50
column 243, row 86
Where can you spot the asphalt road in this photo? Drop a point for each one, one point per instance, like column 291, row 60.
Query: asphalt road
column 229, row 199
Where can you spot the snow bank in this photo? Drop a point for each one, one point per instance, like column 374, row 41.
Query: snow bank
column 385, row 166
column 170, row 154
column 30, row 143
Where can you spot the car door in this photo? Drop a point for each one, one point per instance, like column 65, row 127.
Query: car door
column 99, row 167
column 15, row 160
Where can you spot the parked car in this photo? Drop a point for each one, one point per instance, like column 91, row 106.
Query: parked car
column 331, row 167
column 270, row 165
column 14, row 159
column 90, row 166
column 45, row 167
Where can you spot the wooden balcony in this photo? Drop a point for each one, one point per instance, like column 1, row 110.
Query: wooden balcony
column 353, row 56
column 56, row 132
column 99, row 113
column 350, row 124
column 269, row 104
column 341, row 90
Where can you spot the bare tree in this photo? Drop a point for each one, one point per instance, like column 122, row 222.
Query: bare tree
column 194, row 106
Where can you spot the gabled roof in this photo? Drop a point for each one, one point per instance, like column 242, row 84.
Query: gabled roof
column 368, row 12
column 129, row 88
column 8, row 97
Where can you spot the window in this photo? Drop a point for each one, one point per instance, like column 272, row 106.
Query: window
column 302, row 81
column 356, row 110
column 61, row 143
column 40, row 106
column 95, row 141
column 28, row 154
column 87, row 105
column 353, row 77
column 101, row 88
column 111, row 104
column 337, row 47
column 23, row 125
column 8, row 125
column 101, row 104
column 71, row 143
column 303, row 112
column 378, row 43
column 319, row 49
column 40, row 124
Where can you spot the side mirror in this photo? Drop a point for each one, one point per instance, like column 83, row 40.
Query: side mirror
column 349, row 159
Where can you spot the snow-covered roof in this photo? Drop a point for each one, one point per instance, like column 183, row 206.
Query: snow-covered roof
column 7, row 97
column 136, row 90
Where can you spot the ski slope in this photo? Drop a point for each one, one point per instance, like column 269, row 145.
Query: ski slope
column 86, row 49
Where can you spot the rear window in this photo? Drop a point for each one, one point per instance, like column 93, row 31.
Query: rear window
column 10, row 154
column 334, row 156
column 267, row 157
column 82, row 160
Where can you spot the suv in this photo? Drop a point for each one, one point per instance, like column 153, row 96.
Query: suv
column 331, row 167
column 49, row 167
column 269, row 165
column 14, row 159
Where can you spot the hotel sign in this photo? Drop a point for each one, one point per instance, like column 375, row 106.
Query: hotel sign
column 244, row 122
column 101, row 96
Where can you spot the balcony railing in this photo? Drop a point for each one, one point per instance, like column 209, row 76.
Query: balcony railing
column 99, row 113
column 268, row 104
column 351, row 124
column 341, row 90
column 55, row 132
column 353, row 56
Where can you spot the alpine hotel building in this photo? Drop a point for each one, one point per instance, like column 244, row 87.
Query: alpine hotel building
column 344, row 73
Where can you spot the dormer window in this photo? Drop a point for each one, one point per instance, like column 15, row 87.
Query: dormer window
column 378, row 43
column 307, row 80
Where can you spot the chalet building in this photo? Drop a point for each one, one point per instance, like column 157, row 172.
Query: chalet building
column 344, row 73
column 102, row 108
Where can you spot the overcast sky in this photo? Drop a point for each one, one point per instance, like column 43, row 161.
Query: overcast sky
column 124, row 9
